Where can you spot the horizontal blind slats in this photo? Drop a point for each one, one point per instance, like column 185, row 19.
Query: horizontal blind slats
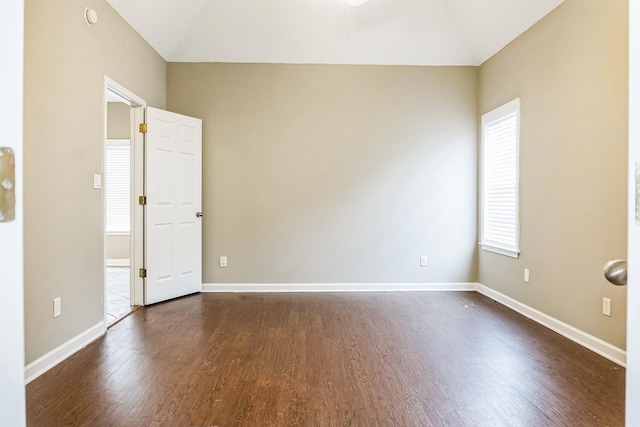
column 118, row 188
column 499, row 182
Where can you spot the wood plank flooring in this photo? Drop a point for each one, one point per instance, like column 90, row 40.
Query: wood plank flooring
column 364, row 359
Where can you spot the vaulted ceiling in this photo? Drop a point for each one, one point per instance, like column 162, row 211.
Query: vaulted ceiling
column 386, row 32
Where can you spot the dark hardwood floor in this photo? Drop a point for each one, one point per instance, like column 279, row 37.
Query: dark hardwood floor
column 367, row 359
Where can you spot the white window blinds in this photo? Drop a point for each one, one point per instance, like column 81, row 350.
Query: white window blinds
column 500, row 222
column 118, row 186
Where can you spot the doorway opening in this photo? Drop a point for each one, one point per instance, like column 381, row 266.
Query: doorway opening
column 117, row 178
column 123, row 172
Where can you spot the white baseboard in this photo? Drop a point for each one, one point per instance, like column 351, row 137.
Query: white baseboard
column 38, row 367
column 594, row 344
column 118, row 262
column 336, row 287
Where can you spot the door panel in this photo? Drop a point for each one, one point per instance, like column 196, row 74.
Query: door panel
column 173, row 232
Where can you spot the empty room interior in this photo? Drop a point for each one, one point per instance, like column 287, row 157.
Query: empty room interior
column 346, row 273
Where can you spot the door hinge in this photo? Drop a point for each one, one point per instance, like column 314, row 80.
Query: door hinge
column 143, row 128
column 142, row 200
column 143, row 273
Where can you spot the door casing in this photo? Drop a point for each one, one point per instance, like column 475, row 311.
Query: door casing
column 138, row 106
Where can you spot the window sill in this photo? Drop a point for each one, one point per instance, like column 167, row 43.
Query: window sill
column 118, row 233
column 501, row 251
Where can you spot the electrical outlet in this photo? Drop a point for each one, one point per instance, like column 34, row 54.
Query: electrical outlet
column 223, row 261
column 606, row 306
column 57, row 307
column 526, row 275
column 424, row 261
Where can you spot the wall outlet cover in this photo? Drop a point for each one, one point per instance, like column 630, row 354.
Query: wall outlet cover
column 606, row 306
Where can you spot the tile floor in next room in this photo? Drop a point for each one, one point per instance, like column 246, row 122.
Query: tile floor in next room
column 118, row 293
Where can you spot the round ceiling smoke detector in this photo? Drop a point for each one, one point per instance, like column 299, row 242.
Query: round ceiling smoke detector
column 90, row 16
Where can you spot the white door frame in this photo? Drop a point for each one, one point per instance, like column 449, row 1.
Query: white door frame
column 138, row 106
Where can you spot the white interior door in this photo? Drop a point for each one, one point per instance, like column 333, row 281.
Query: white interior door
column 633, row 261
column 173, row 227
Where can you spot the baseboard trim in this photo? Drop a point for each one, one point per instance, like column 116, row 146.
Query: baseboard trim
column 38, row 367
column 336, row 287
column 118, row 262
column 603, row 348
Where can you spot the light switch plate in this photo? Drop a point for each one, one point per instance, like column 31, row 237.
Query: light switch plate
column 57, row 307
column 97, row 181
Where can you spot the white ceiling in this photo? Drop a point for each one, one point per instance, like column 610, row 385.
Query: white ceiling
column 386, row 32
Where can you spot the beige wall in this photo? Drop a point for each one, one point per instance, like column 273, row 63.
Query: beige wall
column 570, row 71
column 118, row 120
column 118, row 127
column 118, row 246
column 65, row 65
column 316, row 173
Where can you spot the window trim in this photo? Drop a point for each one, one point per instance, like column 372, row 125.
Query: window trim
column 487, row 118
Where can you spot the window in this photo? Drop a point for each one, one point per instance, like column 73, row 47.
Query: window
column 499, row 216
column 118, row 186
